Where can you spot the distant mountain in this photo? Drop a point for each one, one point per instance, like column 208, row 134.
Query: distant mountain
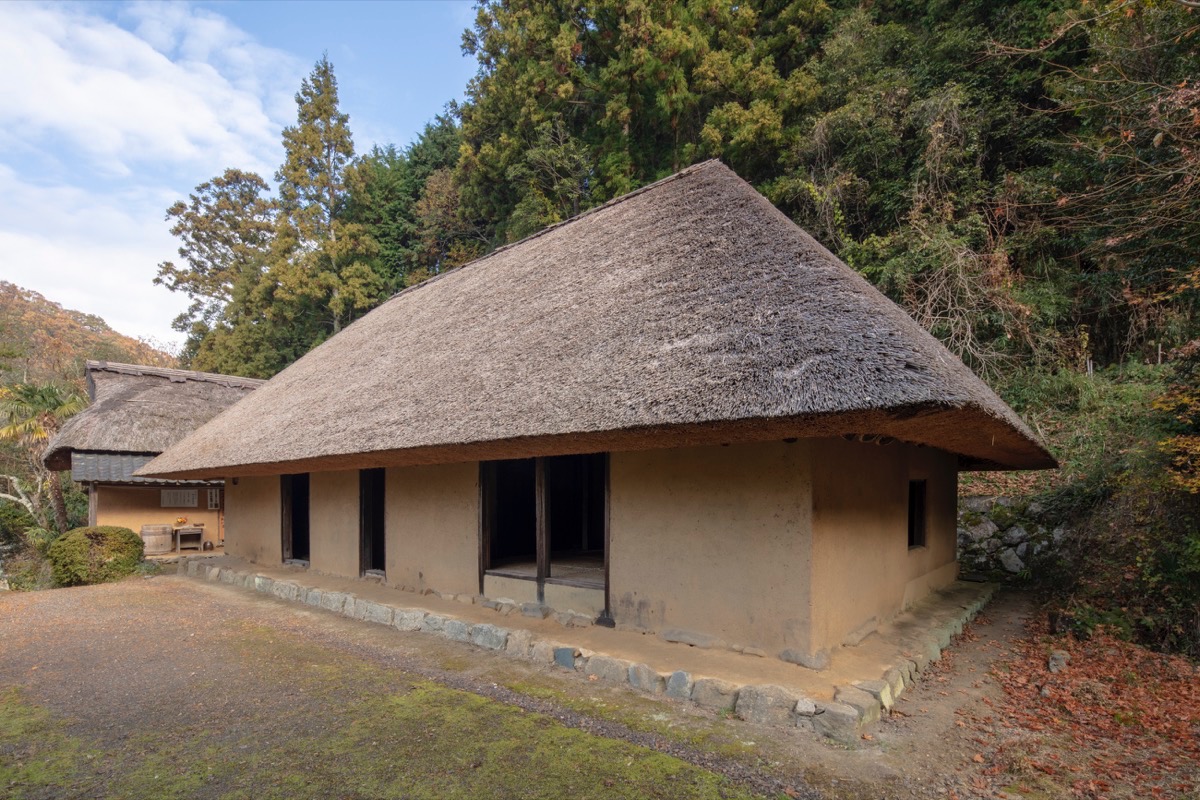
column 41, row 341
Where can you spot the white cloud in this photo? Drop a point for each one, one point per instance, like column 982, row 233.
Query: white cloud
column 197, row 36
column 97, row 254
column 106, row 118
column 184, row 86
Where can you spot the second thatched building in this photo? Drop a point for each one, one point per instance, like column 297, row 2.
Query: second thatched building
column 136, row 412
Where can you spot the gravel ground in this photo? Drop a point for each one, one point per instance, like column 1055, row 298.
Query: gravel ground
column 146, row 662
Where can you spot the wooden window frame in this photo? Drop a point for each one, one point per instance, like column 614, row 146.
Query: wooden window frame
column 918, row 513
column 179, row 498
column 487, row 509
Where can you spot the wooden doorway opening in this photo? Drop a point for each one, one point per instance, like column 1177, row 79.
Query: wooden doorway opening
column 372, row 537
column 293, row 491
column 546, row 520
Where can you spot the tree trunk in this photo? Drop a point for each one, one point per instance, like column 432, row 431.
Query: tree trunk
column 58, row 502
column 21, row 498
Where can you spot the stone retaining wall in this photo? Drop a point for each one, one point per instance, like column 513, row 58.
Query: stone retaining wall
column 852, row 707
column 1001, row 535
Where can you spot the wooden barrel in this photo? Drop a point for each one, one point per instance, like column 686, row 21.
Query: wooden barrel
column 156, row 539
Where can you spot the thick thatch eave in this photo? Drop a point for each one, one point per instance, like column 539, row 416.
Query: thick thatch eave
column 140, row 409
column 689, row 312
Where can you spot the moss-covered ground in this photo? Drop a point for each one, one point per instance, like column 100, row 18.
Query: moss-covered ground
column 343, row 727
column 170, row 688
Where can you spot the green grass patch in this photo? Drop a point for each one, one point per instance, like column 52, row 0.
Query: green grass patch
column 457, row 744
column 35, row 755
column 644, row 715
column 354, row 739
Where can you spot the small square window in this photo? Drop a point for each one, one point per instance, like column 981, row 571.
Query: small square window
column 916, row 514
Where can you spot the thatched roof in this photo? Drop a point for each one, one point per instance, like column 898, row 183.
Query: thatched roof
column 138, row 409
column 689, row 312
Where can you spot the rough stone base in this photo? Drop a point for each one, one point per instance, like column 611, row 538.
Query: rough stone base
column 852, row 708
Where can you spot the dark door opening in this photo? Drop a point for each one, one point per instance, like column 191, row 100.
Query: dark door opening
column 575, row 496
column 545, row 519
column 514, row 515
column 371, row 530
column 293, row 490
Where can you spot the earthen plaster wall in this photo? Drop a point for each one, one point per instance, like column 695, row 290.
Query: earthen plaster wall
column 333, row 523
column 776, row 546
column 134, row 506
column 432, row 524
column 714, row 540
column 253, row 519
column 863, row 571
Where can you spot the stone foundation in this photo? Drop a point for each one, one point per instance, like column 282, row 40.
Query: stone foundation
column 852, row 708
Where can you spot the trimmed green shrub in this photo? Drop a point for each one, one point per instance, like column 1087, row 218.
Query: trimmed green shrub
column 95, row 555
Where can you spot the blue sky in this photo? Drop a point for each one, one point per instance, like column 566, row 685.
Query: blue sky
column 110, row 112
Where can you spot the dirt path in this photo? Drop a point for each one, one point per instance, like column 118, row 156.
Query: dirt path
column 934, row 734
column 199, row 689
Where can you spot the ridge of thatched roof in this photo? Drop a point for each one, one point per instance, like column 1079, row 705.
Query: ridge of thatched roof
column 689, row 312
column 171, row 374
column 142, row 409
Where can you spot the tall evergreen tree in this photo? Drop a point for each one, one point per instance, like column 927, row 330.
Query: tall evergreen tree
column 320, row 271
column 412, row 215
column 225, row 228
column 271, row 278
column 630, row 89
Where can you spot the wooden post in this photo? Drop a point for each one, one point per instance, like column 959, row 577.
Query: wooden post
column 93, row 504
column 487, row 513
column 584, row 477
column 364, row 541
column 606, row 617
column 542, row 513
column 285, row 515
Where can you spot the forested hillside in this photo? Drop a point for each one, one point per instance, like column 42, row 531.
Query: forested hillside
column 1021, row 177
column 42, row 342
